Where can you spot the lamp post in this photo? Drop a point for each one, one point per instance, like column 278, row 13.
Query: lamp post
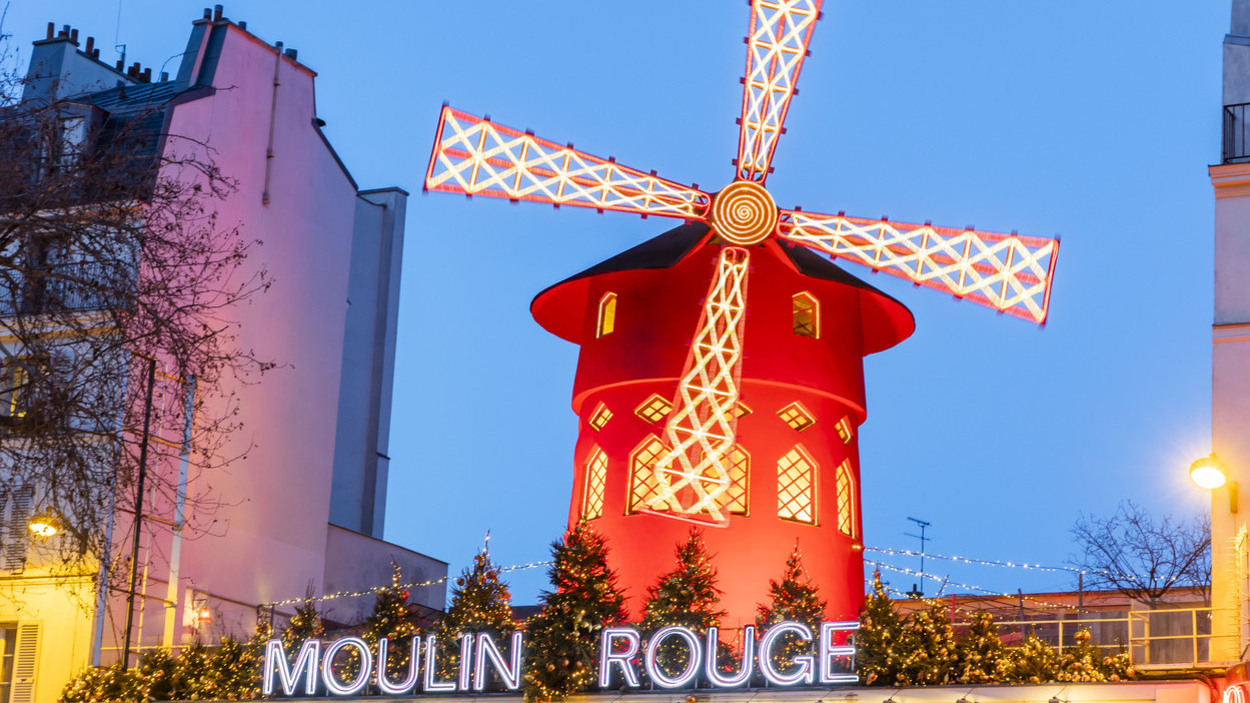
column 1228, row 544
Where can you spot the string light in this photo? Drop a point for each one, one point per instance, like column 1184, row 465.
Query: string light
column 970, row 587
column 377, row 589
column 972, row 560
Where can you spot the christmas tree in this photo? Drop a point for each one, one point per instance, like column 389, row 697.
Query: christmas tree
column 980, row 651
column 1034, row 662
column 480, row 602
column 563, row 639
column 879, row 642
column 303, row 626
column 394, row 619
column 793, row 599
column 928, row 645
column 687, row 596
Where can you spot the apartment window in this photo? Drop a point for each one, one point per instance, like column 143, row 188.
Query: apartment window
column 8, row 647
column 15, row 387
column 806, row 312
column 16, row 508
column 845, row 486
column 599, row 417
column 607, row 315
column 796, row 416
column 654, row 408
column 643, row 486
column 596, row 483
column 796, row 486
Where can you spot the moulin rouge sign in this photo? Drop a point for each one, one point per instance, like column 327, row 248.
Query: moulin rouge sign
column 620, row 649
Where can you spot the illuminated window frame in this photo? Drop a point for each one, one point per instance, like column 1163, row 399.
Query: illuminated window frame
column 846, row 431
column 805, row 312
column 738, row 497
column 596, row 484
column 606, row 323
column 642, row 485
column 599, row 417
column 797, row 416
column 845, row 487
column 795, row 468
column 654, row 409
column 742, row 409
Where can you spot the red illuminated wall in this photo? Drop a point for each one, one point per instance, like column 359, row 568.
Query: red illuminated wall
column 657, row 310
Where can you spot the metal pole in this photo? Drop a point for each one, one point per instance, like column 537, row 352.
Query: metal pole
column 134, row 548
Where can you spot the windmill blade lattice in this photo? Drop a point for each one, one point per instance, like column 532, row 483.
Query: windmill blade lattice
column 1005, row 272
column 475, row 156
column 776, row 46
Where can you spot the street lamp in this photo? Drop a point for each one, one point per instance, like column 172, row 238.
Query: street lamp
column 44, row 524
column 1211, row 473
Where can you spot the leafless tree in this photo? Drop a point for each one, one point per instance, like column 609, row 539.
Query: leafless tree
column 112, row 258
column 1129, row 552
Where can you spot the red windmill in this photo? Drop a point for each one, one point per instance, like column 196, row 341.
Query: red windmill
column 753, row 433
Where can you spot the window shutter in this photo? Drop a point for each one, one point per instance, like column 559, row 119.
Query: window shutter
column 25, row 663
column 15, row 539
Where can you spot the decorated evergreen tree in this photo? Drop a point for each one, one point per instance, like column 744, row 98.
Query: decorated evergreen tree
column 980, row 651
column 303, row 626
column 480, row 602
column 687, row 596
column 1033, row 662
column 232, row 673
column 794, row 599
column 394, row 619
column 563, row 639
column 879, row 642
column 928, row 644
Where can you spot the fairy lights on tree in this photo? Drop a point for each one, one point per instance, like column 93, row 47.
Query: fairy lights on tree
column 795, row 599
column 563, row 639
column 686, row 596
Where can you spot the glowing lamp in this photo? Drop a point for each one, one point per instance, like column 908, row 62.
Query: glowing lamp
column 44, row 524
column 204, row 616
column 1208, row 472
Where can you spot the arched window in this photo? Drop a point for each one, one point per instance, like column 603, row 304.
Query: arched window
column 796, row 486
column 806, row 311
column 607, row 315
column 596, row 483
column 642, row 483
column 845, row 486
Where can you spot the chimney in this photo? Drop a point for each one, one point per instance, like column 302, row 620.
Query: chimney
column 73, row 36
column 58, row 69
column 292, row 54
column 90, row 45
column 217, row 9
column 51, row 29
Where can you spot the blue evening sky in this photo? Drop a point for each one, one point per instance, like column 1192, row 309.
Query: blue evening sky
column 1094, row 121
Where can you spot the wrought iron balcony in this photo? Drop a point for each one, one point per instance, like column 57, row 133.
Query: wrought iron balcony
column 81, row 286
column 1236, row 132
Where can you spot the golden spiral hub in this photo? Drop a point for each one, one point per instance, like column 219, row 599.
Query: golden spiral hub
column 744, row 213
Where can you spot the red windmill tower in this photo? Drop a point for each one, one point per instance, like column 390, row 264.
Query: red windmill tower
column 753, row 432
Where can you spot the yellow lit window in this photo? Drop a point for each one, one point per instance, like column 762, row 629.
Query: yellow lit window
column 846, row 432
column 796, row 486
column 599, row 417
column 607, row 315
column 796, row 416
column 642, row 484
column 741, row 409
column 596, row 483
column 806, row 311
column 737, row 498
column 15, row 390
column 653, row 409
column 846, row 499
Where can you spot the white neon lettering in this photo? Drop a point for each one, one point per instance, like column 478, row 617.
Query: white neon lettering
column 305, row 665
column 802, row 673
column 362, row 676
column 748, row 659
column 828, row 651
column 510, row 673
column 431, row 668
column 692, row 663
column 466, row 664
column 608, row 657
column 414, row 664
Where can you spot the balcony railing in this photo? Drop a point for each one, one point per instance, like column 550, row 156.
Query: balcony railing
column 1236, row 132
column 80, row 286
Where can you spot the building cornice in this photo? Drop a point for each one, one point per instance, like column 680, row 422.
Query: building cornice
column 1230, row 180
